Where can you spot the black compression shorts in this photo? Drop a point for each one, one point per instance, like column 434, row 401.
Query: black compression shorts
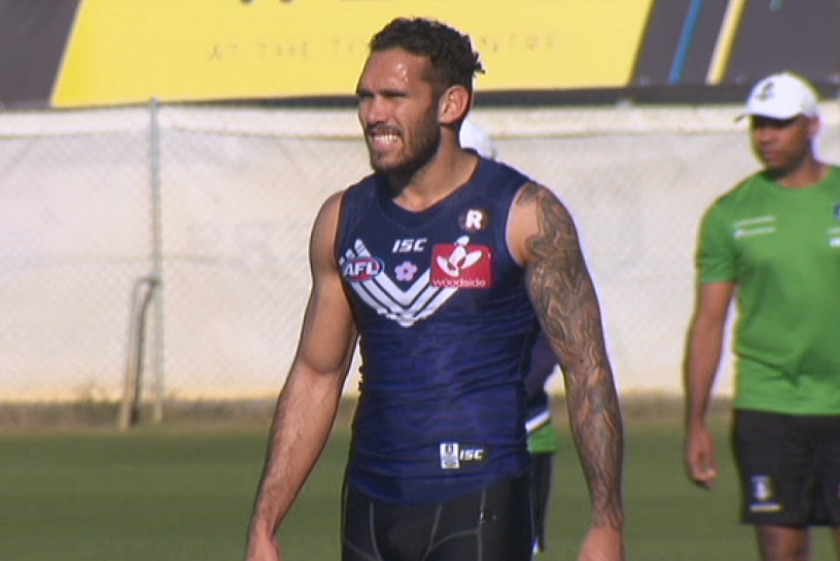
column 491, row 525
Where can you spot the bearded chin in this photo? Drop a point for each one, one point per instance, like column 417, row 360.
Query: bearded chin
column 423, row 152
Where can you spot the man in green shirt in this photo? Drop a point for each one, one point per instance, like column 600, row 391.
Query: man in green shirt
column 773, row 242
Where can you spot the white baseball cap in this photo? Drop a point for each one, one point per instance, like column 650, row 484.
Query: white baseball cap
column 782, row 96
column 474, row 137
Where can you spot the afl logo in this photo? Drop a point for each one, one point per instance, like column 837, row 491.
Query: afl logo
column 361, row 269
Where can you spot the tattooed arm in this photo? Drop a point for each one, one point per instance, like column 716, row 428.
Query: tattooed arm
column 543, row 238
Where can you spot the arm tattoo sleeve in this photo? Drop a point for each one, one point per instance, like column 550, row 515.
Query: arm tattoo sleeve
column 565, row 301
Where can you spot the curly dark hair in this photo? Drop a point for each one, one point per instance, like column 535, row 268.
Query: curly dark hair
column 453, row 60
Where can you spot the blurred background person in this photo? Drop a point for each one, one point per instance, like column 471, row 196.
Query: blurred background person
column 773, row 243
column 543, row 438
column 475, row 137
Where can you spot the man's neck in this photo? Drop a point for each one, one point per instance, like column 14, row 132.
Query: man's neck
column 434, row 182
column 809, row 173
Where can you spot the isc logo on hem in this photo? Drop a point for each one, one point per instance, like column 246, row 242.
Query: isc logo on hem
column 452, row 455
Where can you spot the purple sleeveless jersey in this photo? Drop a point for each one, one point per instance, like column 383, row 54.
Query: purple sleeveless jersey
column 446, row 329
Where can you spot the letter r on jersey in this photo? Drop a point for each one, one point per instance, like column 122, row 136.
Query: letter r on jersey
column 473, row 220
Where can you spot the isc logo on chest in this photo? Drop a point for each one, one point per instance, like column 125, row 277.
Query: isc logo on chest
column 409, row 245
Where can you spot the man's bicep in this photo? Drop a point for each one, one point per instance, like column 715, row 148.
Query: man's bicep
column 328, row 333
column 715, row 258
column 558, row 280
column 713, row 301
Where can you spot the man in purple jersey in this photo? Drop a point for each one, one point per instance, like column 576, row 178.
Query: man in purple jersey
column 443, row 266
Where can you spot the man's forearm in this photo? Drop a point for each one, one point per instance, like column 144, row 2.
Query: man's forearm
column 599, row 436
column 302, row 422
column 704, row 351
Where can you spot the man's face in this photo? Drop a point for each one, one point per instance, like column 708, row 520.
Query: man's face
column 781, row 144
column 398, row 111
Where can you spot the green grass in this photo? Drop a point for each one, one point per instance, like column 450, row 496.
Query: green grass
column 141, row 496
column 184, row 492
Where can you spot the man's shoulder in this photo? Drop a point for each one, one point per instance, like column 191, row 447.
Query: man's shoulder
column 367, row 182
column 499, row 182
column 503, row 170
column 834, row 175
column 749, row 187
column 362, row 190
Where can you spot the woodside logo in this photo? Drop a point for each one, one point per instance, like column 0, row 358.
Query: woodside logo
column 461, row 265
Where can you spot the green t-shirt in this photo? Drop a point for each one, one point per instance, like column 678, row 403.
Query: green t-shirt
column 782, row 249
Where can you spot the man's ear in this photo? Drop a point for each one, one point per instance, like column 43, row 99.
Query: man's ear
column 454, row 104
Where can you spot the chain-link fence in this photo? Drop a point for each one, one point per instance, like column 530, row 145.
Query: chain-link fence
column 173, row 240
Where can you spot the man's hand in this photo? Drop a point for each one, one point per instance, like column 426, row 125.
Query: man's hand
column 261, row 547
column 602, row 544
column 700, row 464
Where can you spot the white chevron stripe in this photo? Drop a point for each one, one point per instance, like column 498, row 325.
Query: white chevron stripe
column 406, row 307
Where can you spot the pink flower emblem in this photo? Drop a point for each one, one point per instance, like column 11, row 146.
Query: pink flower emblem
column 406, row 271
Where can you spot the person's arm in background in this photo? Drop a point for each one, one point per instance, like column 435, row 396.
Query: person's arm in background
column 704, row 347
column 309, row 400
column 543, row 237
column 543, row 362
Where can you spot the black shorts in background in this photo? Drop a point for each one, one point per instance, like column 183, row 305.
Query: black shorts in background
column 789, row 468
column 491, row 525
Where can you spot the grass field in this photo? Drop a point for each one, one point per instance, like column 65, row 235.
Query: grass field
column 183, row 491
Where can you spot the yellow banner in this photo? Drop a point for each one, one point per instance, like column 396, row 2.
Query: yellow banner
column 129, row 51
